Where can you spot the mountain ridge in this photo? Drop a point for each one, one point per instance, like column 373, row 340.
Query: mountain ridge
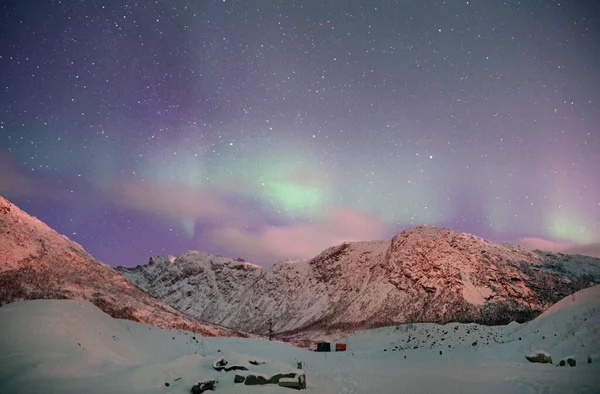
column 36, row 262
column 423, row 274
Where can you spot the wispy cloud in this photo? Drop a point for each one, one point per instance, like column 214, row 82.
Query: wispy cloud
column 16, row 182
column 12, row 181
column 301, row 240
column 228, row 224
column 179, row 201
column 221, row 217
column 592, row 249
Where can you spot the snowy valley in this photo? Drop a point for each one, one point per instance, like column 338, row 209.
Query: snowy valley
column 70, row 346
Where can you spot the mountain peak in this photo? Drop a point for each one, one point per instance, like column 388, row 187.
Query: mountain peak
column 427, row 231
column 37, row 262
column 425, row 273
column 161, row 259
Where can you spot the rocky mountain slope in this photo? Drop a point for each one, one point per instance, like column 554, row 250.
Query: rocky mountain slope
column 38, row 263
column 424, row 274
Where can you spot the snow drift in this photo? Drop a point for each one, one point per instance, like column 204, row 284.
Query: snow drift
column 70, row 346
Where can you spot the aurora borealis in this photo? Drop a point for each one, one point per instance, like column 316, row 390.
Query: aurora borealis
column 273, row 129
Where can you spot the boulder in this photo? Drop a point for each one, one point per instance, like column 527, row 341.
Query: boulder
column 257, row 362
column 256, row 379
column 570, row 361
column 234, row 367
column 289, row 382
column 278, row 376
column 219, row 364
column 201, row 387
column 298, row 382
column 239, row 379
column 539, row 356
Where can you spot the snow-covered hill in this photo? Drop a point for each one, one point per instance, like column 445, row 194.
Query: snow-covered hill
column 69, row 346
column 570, row 327
column 37, row 262
column 424, row 274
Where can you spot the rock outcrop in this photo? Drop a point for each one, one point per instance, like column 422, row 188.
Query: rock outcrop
column 539, row 356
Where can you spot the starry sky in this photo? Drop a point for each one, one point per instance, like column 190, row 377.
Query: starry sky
column 273, row 129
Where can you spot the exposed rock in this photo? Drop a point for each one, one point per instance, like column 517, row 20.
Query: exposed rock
column 257, row 362
column 234, row 367
column 539, row 356
column 239, row 379
column 219, row 364
column 256, row 379
column 253, row 378
column 570, row 361
column 297, row 382
column 202, row 386
column 277, row 377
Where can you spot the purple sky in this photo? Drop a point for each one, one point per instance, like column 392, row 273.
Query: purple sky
column 271, row 130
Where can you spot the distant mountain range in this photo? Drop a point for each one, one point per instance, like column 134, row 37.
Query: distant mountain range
column 36, row 262
column 424, row 274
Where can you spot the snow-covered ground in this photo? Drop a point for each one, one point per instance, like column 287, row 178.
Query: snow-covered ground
column 70, row 346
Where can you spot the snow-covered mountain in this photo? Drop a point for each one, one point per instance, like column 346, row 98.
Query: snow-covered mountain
column 37, row 262
column 424, row 274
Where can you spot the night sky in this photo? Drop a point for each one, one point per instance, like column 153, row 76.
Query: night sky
column 273, row 129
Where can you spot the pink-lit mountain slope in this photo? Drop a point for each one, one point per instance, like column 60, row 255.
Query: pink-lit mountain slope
column 37, row 262
column 424, row 274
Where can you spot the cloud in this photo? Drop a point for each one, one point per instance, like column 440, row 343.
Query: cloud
column 16, row 182
column 542, row 244
column 592, row 249
column 227, row 222
column 12, row 181
column 299, row 241
column 229, row 225
column 178, row 200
